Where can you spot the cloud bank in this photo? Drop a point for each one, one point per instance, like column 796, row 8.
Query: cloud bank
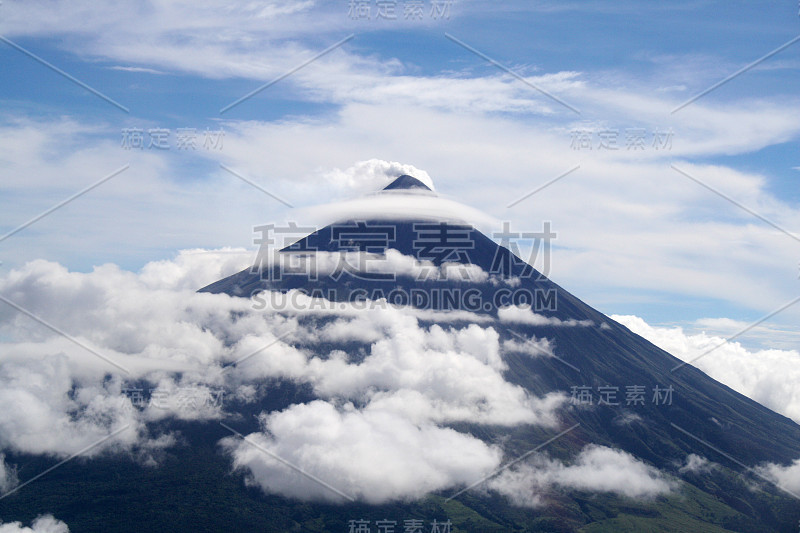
column 770, row 376
column 396, row 393
column 399, row 390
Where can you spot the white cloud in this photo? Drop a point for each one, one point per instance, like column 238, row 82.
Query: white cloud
column 136, row 69
column 626, row 418
column 371, row 455
column 44, row 411
column 398, row 205
column 484, row 136
column 787, row 477
column 596, row 468
column 189, row 272
column 685, row 233
column 375, row 174
column 696, row 464
column 533, row 346
column 524, row 315
column 441, row 375
column 41, row 524
column 57, row 397
column 433, row 374
column 62, row 156
column 770, row 377
column 204, row 40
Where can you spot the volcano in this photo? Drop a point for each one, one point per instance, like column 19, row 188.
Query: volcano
column 598, row 362
column 574, row 422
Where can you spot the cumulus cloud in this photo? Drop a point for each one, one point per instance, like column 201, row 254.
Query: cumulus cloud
column 194, row 268
column 42, row 524
column 375, row 174
column 57, row 397
column 596, row 468
column 182, row 349
column 45, row 409
column 769, row 376
column 427, row 374
column 59, row 394
column 368, row 454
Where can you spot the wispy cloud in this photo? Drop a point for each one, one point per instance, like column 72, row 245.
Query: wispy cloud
column 136, row 69
column 595, row 469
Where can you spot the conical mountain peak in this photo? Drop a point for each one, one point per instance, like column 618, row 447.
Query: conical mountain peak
column 640, row 410
column 406, row 182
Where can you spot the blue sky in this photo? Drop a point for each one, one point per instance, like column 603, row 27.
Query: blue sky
column 634, row 235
